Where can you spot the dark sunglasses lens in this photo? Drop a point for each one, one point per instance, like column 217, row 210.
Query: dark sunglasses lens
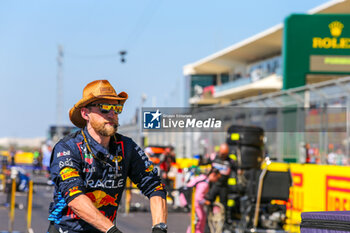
column 104, row 111
column 119, row 109
column 104, row 108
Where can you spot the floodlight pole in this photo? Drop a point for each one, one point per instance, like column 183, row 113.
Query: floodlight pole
column 143, row 100
column 59, row 100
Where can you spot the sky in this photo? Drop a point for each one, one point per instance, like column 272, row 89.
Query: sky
column 160, row 37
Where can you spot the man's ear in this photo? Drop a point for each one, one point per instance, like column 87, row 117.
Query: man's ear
column 84, row 113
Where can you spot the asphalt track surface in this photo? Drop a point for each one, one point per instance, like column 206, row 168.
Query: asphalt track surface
column 134, row 222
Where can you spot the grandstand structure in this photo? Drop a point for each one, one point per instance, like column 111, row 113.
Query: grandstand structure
column 248, row 68
column 258, row 72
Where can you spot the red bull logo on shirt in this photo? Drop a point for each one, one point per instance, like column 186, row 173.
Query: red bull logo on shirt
column 100, row 198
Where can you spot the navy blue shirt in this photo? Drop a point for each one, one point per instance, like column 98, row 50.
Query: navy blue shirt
column 101, row 177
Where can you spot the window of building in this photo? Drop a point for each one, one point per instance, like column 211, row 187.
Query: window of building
column 202, row 81
column 265, row 68
column 225, row 78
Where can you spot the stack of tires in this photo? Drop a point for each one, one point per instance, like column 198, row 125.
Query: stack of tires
column 247, row 143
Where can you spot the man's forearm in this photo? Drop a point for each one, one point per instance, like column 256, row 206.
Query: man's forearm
column 159, row 210
column 83, row 207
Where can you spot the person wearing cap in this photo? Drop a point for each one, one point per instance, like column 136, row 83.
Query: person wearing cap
column 89, row 168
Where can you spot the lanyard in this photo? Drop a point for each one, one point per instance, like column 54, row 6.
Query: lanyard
column 95, row 157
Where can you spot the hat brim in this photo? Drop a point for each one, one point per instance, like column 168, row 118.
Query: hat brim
column 75, row 114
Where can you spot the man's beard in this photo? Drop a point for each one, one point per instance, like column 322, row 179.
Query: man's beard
column 103, row 129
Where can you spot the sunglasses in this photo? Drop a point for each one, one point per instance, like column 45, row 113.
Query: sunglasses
column 106, row 108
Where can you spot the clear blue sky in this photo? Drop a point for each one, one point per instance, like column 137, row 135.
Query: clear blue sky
column 160, row 37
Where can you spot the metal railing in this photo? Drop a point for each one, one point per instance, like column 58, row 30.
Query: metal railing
column 281, row 145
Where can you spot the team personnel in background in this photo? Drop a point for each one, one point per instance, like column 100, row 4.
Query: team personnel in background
column 172, row 154
column 47, row 151
column 89, row 168
column 37, row 160
column 168, row 152
column 12, row 153
column 225, row 165
column 165, row 167
column 201, row 183
column 167, row 161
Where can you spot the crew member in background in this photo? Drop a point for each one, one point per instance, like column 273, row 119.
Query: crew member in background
column 225, row 165
column 89, row 168
column 172, row 154
column 12, row 153
column 201, row 183
column 165, row 167
column 37, row 161
column 47, row 150
column 168, row 152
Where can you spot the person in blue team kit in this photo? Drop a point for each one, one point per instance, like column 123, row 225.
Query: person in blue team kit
column 89, row 168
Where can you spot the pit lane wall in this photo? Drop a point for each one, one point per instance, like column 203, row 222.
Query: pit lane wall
column 316, row 188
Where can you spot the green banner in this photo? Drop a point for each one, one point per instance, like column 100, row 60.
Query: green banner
column 315, row 45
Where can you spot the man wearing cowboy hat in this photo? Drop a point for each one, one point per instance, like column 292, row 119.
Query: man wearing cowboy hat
column 89, row 168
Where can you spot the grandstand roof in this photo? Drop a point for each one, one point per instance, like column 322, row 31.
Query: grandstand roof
column 257, row 47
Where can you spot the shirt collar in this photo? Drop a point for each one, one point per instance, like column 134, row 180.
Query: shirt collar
column 95, row 146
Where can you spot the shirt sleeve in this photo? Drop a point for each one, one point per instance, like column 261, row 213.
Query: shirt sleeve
column 143, row 173
column 202, row 189
column 66, row 171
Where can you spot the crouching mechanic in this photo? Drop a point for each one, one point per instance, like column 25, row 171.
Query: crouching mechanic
column 89, row 168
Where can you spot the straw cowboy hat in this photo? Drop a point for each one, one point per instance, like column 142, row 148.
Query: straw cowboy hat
column 96, row 90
